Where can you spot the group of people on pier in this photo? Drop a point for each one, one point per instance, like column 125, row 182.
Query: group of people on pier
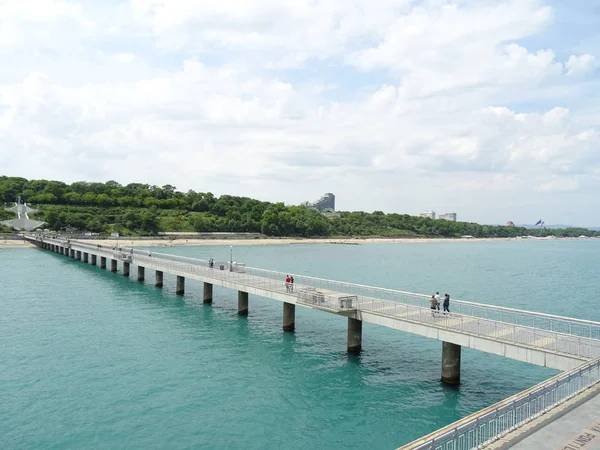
column 434, row 303
column 289, row 283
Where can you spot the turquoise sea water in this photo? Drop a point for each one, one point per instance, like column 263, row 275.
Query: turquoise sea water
column 91, row 359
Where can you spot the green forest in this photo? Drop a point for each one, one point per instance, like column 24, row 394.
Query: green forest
column 142, row 209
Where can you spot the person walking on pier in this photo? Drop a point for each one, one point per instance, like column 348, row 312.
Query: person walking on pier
column 446, row 303
column 434, row 305
column 288, row 281
column 437, row 299
column 291, row 283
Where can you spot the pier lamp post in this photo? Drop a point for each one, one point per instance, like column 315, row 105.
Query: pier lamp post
column 231, row 258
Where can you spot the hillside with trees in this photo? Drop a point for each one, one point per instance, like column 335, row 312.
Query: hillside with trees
column 146, row 209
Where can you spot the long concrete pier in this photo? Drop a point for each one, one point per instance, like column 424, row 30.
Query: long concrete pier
column 546, row 343
column 558, row 342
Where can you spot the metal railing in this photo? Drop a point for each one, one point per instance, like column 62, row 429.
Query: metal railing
column 386, row 302
column 578, row 327
column 492, row 423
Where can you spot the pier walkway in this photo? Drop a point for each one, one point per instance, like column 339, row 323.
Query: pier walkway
column 561, row 343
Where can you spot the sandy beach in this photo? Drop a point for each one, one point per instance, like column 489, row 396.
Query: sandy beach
column 270, row 241
column 15, row 244
column 265, row 241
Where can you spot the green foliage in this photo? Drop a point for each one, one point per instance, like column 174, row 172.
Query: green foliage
column 146, row 209
column 5, row 229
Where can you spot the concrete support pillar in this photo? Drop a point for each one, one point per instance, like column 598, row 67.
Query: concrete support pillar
column 159, row 279
column 141, row 273
column 354, row 335
column 208, row 288
column 289, row 317
column 180, row 285
column 78, row 255
column 94, row 260
column 113, row 265
column 103, row 262
column 451, row 363
column 242, row 303
column 125, row 269
column 86, row 257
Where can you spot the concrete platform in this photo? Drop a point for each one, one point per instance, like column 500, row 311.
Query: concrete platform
column 573, row 425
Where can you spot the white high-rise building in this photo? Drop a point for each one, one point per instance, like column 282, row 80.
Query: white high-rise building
column 429, row 214
column 325, row 203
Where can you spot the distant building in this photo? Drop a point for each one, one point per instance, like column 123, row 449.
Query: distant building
column 325, row 203
column 448, row 216
column 510, row 223
column 428, row 214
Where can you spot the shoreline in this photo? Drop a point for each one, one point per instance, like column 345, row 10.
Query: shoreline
column 267, row 241
column 17, row 243
column 287, row 241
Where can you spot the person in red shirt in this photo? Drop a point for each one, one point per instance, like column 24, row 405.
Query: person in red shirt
column 288, row 280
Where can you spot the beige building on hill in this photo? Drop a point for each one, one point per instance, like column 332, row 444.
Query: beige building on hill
column 448, row 216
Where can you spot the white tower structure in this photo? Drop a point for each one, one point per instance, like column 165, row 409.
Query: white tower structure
column 22, row 222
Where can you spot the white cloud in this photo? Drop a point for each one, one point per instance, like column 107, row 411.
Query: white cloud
column 559, row 185
column 192, row 94
column 35, row 25
column 40, row 10
column 577, row 65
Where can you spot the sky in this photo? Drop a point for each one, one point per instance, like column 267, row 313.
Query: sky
column 489, row 109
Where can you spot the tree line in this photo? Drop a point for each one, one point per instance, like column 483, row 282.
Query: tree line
column 147, row 209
